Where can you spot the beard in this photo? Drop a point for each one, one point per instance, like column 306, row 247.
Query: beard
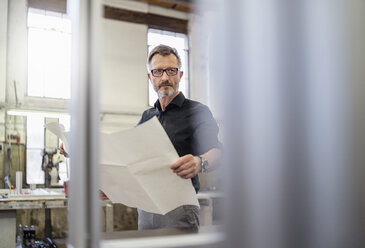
column 168, row 91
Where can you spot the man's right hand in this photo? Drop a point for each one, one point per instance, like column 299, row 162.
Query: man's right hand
column 62, row 151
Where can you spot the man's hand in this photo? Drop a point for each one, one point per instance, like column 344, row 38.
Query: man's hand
column 187, row 166
column 62, row 151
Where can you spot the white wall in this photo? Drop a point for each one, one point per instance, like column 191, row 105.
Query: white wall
column 17, row 50
column 3, row 44
column 204, row 86
column 124, row 80
column 199, row 68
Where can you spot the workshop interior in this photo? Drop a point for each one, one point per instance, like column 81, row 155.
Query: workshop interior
column 284, row 82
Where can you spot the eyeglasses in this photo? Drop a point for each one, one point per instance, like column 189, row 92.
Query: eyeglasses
column 169, row 72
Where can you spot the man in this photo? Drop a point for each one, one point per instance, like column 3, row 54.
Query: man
column 191, row 129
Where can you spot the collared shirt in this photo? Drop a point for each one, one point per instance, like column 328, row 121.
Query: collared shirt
column 190, row 126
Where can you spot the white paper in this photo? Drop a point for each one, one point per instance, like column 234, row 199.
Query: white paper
column 135, row 170
column 59, row 130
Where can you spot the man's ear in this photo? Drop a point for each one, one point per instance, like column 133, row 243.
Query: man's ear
column 149, row 76
column 181, row 74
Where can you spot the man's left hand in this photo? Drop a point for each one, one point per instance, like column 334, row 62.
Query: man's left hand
column 187, row 166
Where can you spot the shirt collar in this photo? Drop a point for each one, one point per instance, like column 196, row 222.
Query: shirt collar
column 177, row 101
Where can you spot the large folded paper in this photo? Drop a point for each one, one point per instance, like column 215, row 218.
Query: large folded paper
column 135, row 169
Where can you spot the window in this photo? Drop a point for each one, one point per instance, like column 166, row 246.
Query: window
column 49, row 54
column 38, row 140
column 179, row 41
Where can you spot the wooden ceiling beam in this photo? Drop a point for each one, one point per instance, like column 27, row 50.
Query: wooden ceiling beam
column 171, row 4
column 51, row 5
column 152, row 20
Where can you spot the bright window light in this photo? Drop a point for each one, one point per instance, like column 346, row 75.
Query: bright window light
column 35, row 143
column 179, row 41
column 49, row 54
column 35, row 147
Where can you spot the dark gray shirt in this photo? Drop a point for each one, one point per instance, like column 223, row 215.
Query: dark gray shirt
column 190, row 126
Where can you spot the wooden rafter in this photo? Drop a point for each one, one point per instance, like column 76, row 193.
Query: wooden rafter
column 152, row 20
column 52, row 5
column 178, row 5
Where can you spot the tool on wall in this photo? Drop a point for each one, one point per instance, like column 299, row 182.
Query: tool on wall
column 50, row 166
column 7, row 181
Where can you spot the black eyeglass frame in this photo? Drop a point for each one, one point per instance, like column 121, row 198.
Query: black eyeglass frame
column 165, row 70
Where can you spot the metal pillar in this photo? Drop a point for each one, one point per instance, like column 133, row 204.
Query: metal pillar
column 84, row 216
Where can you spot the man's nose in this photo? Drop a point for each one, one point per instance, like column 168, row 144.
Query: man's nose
column 164, row 76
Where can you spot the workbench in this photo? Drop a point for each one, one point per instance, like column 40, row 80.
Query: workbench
column 205, row 237
column 37, row 199
column 206, row 199
column 57, row 199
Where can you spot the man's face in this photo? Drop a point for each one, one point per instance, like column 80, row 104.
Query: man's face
column 165, row 85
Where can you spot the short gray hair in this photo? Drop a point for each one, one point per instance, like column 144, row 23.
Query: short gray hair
column 163, row 50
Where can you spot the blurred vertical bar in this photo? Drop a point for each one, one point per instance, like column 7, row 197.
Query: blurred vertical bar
column 355, row 15
column 292, row 78
column 84, row 205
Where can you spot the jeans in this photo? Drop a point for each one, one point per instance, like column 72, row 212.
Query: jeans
column 186, row 216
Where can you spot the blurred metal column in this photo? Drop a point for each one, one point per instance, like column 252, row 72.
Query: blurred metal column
column 294, row 122
column 84, row 205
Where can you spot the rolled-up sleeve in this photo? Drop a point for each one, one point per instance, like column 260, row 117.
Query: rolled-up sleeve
column 205, row 131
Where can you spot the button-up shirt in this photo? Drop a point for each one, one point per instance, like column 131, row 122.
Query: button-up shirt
column 189, row 125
